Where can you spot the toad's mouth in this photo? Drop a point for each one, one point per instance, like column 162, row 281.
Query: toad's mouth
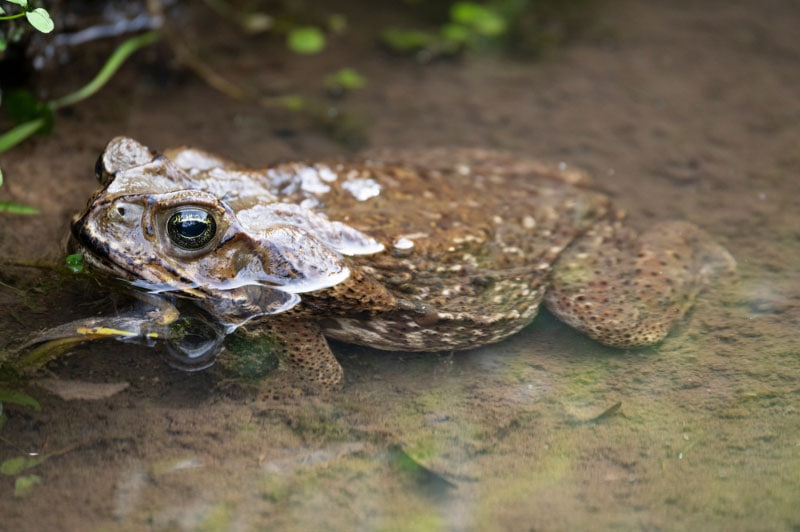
column 101, row 254
column 97, row 259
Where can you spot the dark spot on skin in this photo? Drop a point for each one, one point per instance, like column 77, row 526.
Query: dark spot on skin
column 428, row 319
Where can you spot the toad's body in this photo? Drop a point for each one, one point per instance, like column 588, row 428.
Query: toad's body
column 446, row 249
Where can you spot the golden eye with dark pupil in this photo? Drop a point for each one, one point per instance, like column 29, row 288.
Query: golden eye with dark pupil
column 191, row 228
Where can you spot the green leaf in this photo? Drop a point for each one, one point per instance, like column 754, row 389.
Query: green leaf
column 16, row 208
column 9, row 139
column 406, row 41
column 74, row 262
column 40, row 19
column 15, row 466
column 293, row 102
column 15, row 397
column 456, row 33
column 21, row 105
column 306, row 40
column 24, row 485
column 32, row 116
column 345, row 78
column 21, row 3
column 479, row 18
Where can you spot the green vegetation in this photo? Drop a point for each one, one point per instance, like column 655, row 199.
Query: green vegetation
column 18, row 464
column 23, row 485
column 37, row 17
column 16, row 397
column 305, row 40
column 40, row 20
column 520, row 27
column 470, row 25
column 14, row 208
column 343, row 80
column 74, row 262
column 33, row 116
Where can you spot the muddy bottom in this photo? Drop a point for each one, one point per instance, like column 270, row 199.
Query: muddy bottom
column 681, row 110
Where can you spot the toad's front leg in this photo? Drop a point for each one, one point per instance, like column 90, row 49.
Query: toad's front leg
column 304, row 362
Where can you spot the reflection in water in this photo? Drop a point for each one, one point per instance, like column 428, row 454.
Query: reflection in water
column 197, row 345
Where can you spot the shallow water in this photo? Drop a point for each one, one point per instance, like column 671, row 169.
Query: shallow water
column 680, row 110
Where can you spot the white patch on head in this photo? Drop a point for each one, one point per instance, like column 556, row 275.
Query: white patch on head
column 343, row 238
column 318, row 283
column 309, row 203
column 196, row 160
column 363, row 188
column 403, row 244
column 230, row 185
column 311, row 181
column 326, row 174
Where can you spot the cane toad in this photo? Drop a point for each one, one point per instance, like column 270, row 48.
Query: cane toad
column 420, row 251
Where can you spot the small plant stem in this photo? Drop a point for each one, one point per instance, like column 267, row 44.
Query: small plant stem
column 205, row 72
column 12, row 17
column 19, row 133
column 112, row 65
column 30, row 263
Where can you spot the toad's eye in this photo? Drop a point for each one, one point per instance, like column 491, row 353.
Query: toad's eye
column 191, row 228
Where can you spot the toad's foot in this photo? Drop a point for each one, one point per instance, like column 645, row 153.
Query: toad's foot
column 305, row 363
column 625, row 290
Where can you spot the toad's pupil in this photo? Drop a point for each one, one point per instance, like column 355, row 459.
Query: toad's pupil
column 191, row 228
